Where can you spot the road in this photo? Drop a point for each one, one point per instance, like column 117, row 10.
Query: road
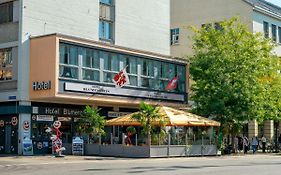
column 225, row 165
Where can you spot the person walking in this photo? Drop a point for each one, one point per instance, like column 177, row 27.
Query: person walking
column 255, row 143
column 263, row 141
column 245, row 144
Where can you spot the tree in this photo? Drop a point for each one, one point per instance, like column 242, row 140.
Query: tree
column 149, row 116
column 91, row 123
column 235, row 75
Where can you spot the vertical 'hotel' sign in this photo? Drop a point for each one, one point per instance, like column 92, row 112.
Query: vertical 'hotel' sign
column 41, row 85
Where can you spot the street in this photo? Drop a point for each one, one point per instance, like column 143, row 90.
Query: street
column 70, row 165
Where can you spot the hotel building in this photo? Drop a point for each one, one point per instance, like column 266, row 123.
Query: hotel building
column 58, row 56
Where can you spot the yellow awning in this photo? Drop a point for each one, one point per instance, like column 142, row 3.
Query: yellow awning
column 172, row 117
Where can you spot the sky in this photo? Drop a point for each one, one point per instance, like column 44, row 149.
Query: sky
column 276, row 2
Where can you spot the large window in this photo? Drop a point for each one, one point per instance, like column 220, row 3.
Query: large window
column 266, row 29
column 100, row 66
column 6, row 12
column 6, row 64
column 175, row 36
column 274, row 33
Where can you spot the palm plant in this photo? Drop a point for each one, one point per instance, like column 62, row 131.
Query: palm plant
column 91, row 123
column 148, row 116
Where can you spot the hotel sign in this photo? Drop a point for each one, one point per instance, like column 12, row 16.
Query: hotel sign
column 41, row 85
column 97, row 89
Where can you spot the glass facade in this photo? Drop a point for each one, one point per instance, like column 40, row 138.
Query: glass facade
column 100, row 66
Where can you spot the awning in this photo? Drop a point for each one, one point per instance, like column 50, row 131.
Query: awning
column 172, row 117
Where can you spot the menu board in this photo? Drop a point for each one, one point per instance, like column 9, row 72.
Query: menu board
column 77, row 146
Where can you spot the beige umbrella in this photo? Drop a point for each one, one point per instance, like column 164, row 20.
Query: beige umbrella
column 172, row 117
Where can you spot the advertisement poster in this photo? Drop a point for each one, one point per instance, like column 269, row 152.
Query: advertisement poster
column 27, row 147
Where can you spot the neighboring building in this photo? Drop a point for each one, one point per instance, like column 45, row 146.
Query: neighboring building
column 58, row 56
column 258, row 15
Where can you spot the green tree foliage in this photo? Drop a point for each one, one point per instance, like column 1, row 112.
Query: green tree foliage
column 235, row 75
column 91, row 123
column 149, row 117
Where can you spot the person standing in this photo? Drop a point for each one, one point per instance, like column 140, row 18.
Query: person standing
column 263, row 141
column 235, row 144
column 245, row 144
column 255, row 144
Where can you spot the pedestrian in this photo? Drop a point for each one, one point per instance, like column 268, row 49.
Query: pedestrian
column 255, row 143
column 263, row 141
column 240, row 144
column 245, row 144
column 235, row 145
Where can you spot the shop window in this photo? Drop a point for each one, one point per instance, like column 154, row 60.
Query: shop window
column 6, row 64
column 6, row 12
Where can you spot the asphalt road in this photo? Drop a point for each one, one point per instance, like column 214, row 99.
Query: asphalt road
column 226, row 165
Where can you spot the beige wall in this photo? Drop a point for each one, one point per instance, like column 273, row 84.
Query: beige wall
column 43, row 63
column 186, row 13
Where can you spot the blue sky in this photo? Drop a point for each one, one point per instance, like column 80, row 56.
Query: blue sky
column 276, row 2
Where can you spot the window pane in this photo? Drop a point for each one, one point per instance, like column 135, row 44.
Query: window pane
column 115, row 63
column 87, row 57
column 133, row 80
column 144, row 67
column 73, row 58
column 108, row 77
column 266, row 29
column 274, row 34
column 6, row 12
column 101, row 31
column 145, row 82
column 68, row 72
column 96, row 59
column 91, row 75
column 105, row 29
column 279, row 34
column 107, row 60
column 63, row 54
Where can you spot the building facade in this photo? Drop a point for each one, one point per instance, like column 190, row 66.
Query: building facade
column 258, row 15
column 58, row 56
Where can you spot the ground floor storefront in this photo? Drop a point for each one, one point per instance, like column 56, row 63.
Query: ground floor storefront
column 31, row 122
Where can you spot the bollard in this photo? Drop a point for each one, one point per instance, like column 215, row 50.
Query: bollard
column 136, row 139
column 111, row 138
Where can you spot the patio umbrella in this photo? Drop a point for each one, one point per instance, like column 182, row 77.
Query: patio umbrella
column 172, row 117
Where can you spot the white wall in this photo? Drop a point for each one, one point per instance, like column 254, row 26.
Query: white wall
column 143, row 24
column 72, row 17
column 258, row 19
column 40, row 17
